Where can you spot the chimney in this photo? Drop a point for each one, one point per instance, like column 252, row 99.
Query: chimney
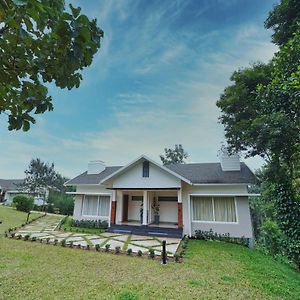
column 95, row 167
column 230, row 162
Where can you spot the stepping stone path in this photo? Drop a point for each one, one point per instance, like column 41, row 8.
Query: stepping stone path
column 47, row 227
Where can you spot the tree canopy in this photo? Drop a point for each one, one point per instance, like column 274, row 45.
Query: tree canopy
column 283, row 19
column 41, row 42
column 174, row 156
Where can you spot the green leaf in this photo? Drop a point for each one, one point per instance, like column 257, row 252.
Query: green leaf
column 26, row 125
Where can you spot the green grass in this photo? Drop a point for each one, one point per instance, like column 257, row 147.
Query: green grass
column 12, row 218
column 68, row 227
column 212, row 270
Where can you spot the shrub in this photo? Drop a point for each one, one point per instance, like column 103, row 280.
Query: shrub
column 12, row 234
column 33, row 239
column 117, row 249
column 19, row 236
column 78, row 246
column 151, row 253
column 55, row 242
column 23, row 203
column 87, row 247
column 107, row 246
column 97, row 247
column 71, row 244
column 211, row 235
column 26, row 237
column 97, row 224
column 140, row 253
column 271, row 238
column 177, row 257
column 63, row 243
column 47, row 240
column 129, row 251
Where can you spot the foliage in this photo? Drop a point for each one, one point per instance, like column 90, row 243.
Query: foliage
column 97, row 247
column 41, row 42
column 174, row 156
column 129, row 251
column 127, row 295
column 107, row 247
column 117, row 249
column 60, row 203
column 151, row 253
column 98, row 224
column 283, row 19
column 241, row 111
column 213, row 236
column 177, row 257
column 155, row 206
column 140, row 253
column 271, row 238
column 23, row 203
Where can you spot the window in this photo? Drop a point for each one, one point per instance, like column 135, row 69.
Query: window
column 214, row 209
column 137, row 198
column 167, row 198
column 146, row 169
column 96, row 206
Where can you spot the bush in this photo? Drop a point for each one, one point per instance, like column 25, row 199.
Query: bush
column 151, row 253
column 26, row 237
column 117, row 249
column 177, row 257
column 129, row 251
column 107, row 246
column 97, row 247
column 23, row 203
column 63, row 243
column 97, row 224
column 271, row 238
column 140, row 253
column 213, row 236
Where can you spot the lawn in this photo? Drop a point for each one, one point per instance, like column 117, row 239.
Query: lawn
column 212, row 270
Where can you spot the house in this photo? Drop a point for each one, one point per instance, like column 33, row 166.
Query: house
column 9, row 188
column 145, row 197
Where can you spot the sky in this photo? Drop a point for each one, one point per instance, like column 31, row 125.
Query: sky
column 153, row 84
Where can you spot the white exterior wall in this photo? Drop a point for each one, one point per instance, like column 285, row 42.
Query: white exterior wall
column 158, row 178
column 242, row 228
column 99, row 189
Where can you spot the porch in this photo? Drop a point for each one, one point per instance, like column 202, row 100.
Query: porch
column 147, row 212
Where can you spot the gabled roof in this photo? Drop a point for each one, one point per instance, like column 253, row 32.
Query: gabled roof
column 210, row 173
column 142, row 158
column 86, row 178
column 10, row 184
column 194, row 173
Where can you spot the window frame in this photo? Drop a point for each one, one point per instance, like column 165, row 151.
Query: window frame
column 213, row 208
column 97, row 210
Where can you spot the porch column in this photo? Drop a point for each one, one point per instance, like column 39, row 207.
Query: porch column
column 113, row 208
column 179, row 209
column 145, row 207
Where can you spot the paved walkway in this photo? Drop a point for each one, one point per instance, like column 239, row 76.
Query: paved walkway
column 46, row 227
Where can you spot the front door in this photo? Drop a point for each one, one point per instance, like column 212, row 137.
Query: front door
column 125, row 208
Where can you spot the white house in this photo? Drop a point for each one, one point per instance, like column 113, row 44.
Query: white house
column 189, row 196
column 9, row 188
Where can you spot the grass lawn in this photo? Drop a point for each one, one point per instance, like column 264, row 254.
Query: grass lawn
column 68, row 226
column 212, row 270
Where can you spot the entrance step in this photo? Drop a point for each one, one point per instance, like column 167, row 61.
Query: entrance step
column 146, row 230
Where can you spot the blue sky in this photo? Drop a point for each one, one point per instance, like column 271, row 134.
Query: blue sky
column 153, row 84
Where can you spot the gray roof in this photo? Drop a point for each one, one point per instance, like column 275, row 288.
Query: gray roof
column 86, row 178
column 196, row 173
column 213, row 173
column 10, row 184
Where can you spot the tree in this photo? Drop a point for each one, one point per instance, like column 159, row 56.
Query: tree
column 174, row 156
column 241, row 110
column 40, row 178
column 41, row 42
column 283, row 19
